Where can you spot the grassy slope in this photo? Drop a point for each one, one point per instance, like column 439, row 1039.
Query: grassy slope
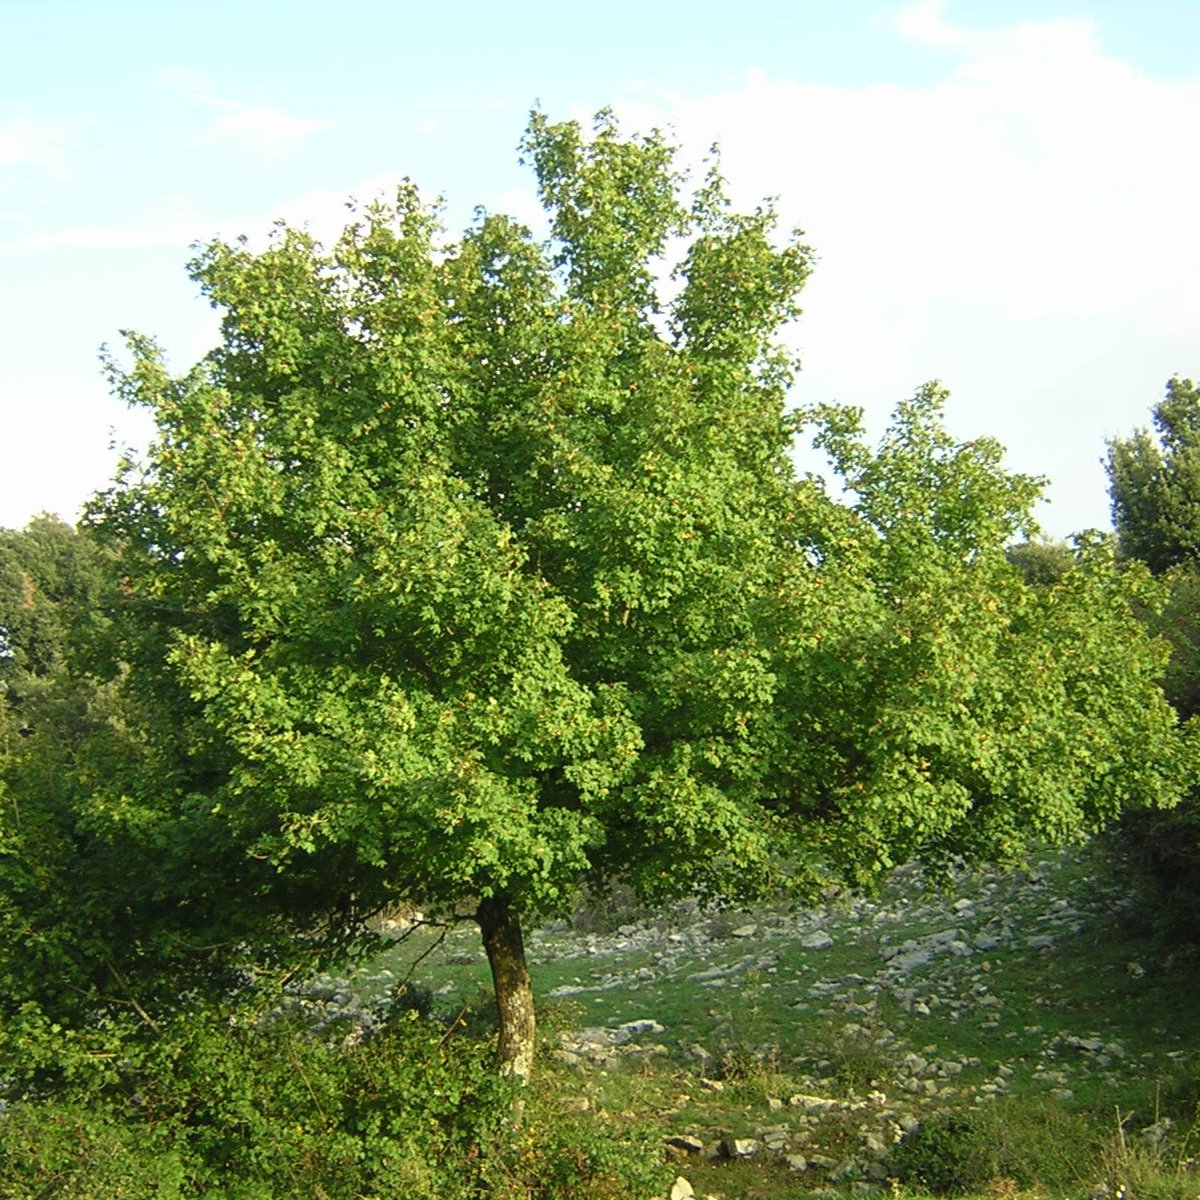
column 1019, row 997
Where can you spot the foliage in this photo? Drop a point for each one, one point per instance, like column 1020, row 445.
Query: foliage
column 1042, row 562
column 1028, row 1142
column 118, row 898
column 1155, row 484
column 229, row 1104
column 1155, row 488
column 54, row 585
column 241, row 1104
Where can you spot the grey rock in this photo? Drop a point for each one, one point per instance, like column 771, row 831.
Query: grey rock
column 740, row 1147
column 632, row 1029
column 681, row 1189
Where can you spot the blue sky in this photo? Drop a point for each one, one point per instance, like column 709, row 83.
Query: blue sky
column 1001, row 195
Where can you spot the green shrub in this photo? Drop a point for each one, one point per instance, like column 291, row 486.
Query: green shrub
column 1030, row 1142
column 235, row 1105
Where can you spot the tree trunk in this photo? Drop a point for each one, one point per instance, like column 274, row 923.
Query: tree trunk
column 505, row 947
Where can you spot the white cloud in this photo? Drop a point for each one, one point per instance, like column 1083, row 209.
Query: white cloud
column 924, row 22
column 35, row 142
column 977, row 228
column 263, row 130
column 173, row 222
column 259, row 129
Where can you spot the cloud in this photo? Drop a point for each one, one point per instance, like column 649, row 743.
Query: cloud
column 35, row 142
column 924, row 22
column 1024, row 226
column 258, row 129
column 269, row 130
column 173, row 222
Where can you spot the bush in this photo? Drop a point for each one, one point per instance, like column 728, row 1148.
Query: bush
column 1029, row 1142
column 233, row 1105
column 1156, row 856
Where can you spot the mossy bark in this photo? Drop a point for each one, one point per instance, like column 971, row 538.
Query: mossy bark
column 505, row 945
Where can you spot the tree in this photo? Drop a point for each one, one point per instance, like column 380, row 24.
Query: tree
column 122, row 898
column 1155, row 485
column 1043, row 562
column 480, row 569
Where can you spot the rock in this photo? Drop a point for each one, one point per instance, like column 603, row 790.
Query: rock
column 687, row 1142
column 845, row 1171
column 740, row 1147
column 632, row 1029
column 777, row 1139
column 796, row 1162
column 874, row 1145
column 577, row 1104
column 681, row 1189
column 817, row 940
column 744, row 931
column 813, row 1103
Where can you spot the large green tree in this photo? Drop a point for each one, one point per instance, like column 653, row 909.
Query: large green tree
column 477, row 569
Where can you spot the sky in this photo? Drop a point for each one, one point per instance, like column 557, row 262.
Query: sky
column 1000, row 195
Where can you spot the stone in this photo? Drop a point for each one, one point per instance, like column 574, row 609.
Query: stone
column 777, row 1139
column 681, row 1189
column 740, row 1147
column 744, row 931
column 796, row 1162
column 632, row 1029
column 817, row 940
column 687, row 1142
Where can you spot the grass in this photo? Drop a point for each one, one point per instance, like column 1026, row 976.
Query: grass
column 1011, row 1052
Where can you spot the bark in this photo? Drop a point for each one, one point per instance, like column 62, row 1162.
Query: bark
column 505, row 948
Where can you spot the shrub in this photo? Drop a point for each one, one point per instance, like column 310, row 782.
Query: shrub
column 1028, row 1142
column 234, row 1105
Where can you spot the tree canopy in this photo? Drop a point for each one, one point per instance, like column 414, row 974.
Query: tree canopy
column 1154, row 482
column 468, row 571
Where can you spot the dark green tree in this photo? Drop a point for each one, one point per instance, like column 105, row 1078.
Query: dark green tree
column 1154, row 482
column 467, row 572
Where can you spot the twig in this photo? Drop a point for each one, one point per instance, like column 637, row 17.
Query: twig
column 131, row 999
